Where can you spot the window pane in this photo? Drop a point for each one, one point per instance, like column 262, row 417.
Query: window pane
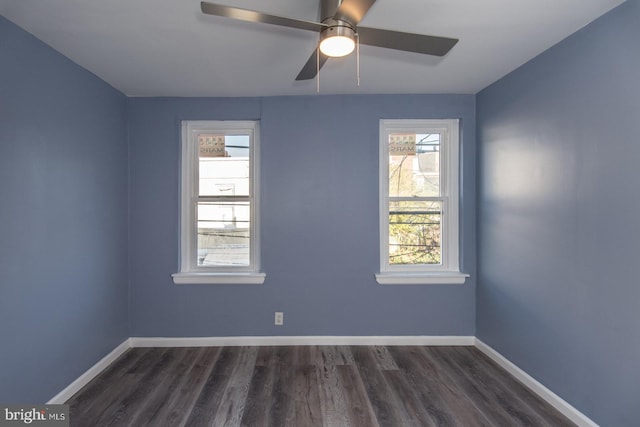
column 223, row 165
column 415, row 232
column 414, row 165
column 223, row 233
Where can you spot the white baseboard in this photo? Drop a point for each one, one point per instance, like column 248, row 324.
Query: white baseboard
column 538, row 388
column 556, row 401
column 300, row 340
column 90, row 374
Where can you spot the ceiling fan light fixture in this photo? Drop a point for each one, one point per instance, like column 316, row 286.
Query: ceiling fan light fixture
column 337, row 41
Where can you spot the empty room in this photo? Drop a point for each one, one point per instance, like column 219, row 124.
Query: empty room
column 319, row 213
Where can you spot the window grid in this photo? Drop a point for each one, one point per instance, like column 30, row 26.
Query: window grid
column 194, row 203
column 437, row 256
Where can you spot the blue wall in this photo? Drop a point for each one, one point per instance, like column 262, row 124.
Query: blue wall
column 559, row 203
column 319, row 172
column 63, row 219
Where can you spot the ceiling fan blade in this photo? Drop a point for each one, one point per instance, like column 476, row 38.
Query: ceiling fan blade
column 310, row 69
column 353, row 10
column 254, row 16
column 419, row 43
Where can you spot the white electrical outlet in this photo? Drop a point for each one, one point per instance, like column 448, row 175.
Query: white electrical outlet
column 279, row 320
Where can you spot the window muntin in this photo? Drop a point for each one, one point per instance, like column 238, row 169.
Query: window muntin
column 219, row 221
column 419, row 196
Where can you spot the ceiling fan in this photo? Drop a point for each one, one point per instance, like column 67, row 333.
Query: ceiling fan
column 338, row 29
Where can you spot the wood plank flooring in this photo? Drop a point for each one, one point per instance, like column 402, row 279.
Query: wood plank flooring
column 334, row 386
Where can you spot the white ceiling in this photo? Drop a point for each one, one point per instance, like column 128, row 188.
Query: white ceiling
column 169, row 48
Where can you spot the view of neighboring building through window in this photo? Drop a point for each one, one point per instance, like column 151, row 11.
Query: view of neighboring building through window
column 415, row 208
column 224, row 220
column 219, row 212
column 419, row 195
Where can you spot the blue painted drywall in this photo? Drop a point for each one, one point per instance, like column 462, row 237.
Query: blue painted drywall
column 63, row 219
column 319, row 181
column 558, row 205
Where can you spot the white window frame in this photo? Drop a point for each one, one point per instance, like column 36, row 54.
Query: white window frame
column 448, row 272
column 190, row 272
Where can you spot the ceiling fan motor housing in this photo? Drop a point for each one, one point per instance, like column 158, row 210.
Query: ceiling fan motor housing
column 337, row 27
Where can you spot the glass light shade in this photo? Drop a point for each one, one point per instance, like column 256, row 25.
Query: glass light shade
column 337, row 46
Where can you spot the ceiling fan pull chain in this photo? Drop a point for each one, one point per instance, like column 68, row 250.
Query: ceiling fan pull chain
column 318, row 70
column 357, row 58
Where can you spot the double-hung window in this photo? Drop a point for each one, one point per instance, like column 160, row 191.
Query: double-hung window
column 219, row 203
column 419, row 168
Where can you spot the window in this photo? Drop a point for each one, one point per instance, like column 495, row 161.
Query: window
column 219, row 203
column 419, row 202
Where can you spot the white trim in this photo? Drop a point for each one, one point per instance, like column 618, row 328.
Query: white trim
column 301, row 340
column 538, row 388
column 189, row 197
column 444, row 278
column 90, row 374
column 218, row 278
column 449, row 196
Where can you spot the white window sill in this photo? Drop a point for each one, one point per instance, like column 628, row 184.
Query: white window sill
column 440, row 278
column 218, row 278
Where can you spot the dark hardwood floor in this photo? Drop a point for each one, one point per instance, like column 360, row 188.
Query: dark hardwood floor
column 308, row 386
